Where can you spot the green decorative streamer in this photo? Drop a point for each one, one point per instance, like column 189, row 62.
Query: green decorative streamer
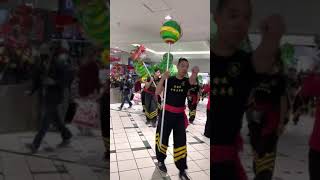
column 162, row 66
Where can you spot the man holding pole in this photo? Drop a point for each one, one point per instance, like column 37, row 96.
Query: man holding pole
column 174, row 117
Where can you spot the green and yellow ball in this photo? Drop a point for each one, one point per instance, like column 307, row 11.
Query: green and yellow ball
column 170, row 32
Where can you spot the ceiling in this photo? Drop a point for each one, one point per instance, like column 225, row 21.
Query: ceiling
column 139, row 22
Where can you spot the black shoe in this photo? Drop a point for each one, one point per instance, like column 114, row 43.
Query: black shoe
column 147, row 122
column 183, row 175
column 120, row 108
column 191, row 122
column 32, row 148
column 130, row 106
column 162, row 167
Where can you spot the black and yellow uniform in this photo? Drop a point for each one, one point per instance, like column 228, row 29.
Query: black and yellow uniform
column 151, row 102
column 232, row 80
column 263, row 123
column 193, row 101
column 174, row 119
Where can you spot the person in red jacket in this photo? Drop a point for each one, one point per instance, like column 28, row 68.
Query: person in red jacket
column 311, row 88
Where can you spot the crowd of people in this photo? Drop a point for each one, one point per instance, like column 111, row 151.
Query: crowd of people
column 62, row 84
column 137, row 90
column 255, row 84
column 181, row 92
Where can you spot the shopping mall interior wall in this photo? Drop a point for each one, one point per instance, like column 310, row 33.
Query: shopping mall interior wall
column 204, row 65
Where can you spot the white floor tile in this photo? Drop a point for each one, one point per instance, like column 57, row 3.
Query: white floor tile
column 121, row 140
column 145, row 162
column 127, row 165
column 199, row 175
column 204, row 164
column 113, row 157
column 137, row 144
column 113, row 167
column 141, row 154
column 125, row 156
column 150, row 173
column 114, row 176
column 130, row 175
column 193, row 167
column 196, row 155
column 122, row 146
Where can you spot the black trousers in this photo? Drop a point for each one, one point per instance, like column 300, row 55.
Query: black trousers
column 314, row 163
column 151, row 107
column 224, row 170
column 192, row 109
column 207, row 132
column 105, row 119
column 264, row 148
column 175, row 122
column 143, row 99
column 50, row 116
column 125, row 98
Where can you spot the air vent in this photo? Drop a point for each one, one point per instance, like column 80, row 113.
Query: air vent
column 155, row 5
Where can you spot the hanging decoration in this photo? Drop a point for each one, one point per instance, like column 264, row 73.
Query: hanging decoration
column 94, row 17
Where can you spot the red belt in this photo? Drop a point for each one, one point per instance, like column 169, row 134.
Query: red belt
column 221, row 153
column 173, row 109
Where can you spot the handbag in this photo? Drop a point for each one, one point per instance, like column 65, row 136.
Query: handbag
column 87, row 114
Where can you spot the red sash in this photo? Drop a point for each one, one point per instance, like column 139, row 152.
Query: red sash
column 221, row 153
column 178, row 110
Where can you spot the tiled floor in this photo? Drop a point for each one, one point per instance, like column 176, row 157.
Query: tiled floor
column 291, row 163
column 133, row 147
column 81, row 160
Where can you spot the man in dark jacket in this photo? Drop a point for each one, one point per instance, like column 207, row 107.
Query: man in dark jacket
column 125, row 88
column 54, row 83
